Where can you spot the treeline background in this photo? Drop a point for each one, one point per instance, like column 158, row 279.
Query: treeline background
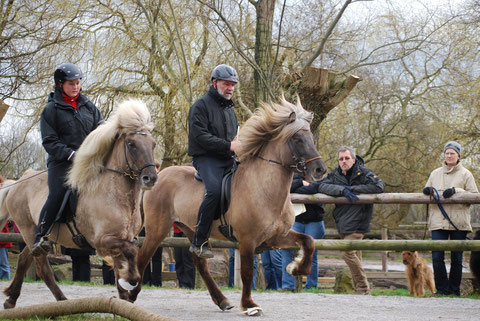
column 418, row 61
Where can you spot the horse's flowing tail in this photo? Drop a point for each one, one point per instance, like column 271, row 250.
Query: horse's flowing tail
column 5, row 186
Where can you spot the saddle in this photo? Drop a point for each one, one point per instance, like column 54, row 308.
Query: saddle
column 66, row 215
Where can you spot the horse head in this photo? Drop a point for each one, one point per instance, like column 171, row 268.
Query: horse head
column 139, row 162
column 305, row 156
column 280, row 133
column 123, row 145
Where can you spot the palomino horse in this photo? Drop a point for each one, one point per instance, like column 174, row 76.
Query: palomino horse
column 276, row 141
column 111, row 167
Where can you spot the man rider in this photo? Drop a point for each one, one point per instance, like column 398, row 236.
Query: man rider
column 212, row 126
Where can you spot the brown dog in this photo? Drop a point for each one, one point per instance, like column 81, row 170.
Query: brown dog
column 418, row 273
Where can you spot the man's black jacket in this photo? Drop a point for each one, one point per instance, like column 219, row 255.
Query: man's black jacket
column 212, row 126
column 352, row 218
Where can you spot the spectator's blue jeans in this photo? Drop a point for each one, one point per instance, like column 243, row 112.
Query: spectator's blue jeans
column 272, row 264
column 4, row 266
column 231, row 268
column 444, row 283
column 315, row 230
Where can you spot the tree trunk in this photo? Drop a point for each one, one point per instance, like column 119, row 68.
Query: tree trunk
column 319, row 91
column 3, row 109
column 263, row 48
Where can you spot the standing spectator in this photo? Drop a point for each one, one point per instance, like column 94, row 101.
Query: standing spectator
column 108, row 274
column 454, row 223
column 309, row 222
column 351, row 177
column 184, row 267
column 153, row 271
column 65, row 121
column 4, row 265
column 212, row 127
column 81, row 269
column 272, row 265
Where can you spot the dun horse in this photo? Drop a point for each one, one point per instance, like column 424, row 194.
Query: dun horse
column 111, row 167
column 276, row 141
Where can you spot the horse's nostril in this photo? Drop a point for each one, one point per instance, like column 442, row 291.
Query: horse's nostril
column 145, row 179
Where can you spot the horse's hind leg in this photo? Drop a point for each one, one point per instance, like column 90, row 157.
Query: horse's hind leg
column 45, row 272
column 215, row 292
column 43, row 269
column 15, row 287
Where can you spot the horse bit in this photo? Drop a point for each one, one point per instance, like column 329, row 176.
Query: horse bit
column 130, row 172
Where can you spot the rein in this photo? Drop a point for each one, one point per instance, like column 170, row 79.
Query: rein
column 130, row 172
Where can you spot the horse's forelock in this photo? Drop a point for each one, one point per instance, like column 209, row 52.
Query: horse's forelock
column 272, row 122
column 133, row 116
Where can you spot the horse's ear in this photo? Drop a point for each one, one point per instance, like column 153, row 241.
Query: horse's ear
column 157, row 165
column 292, row 117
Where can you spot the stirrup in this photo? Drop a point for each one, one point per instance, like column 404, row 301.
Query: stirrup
column 42, row 247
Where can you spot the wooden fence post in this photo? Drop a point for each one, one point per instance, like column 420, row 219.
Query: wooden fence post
column 384, row 253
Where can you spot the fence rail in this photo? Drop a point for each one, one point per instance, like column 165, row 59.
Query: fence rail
column 387, row 198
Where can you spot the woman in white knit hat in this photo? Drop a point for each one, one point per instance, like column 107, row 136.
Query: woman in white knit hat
column 454, row 222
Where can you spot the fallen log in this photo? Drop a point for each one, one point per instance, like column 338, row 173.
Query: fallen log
column 89, row 305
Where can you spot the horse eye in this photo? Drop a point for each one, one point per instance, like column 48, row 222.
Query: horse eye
column 131, row 144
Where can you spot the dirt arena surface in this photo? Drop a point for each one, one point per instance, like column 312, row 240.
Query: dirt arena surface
column 197, row 305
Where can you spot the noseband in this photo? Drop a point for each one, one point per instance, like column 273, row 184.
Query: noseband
column 129, row 171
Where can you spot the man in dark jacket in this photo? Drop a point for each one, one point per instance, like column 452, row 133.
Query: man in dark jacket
column 351, row 177
column 212, row 126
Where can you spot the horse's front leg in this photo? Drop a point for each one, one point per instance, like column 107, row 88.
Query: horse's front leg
column 302, row 263
column 246, row 269
column 124, row 254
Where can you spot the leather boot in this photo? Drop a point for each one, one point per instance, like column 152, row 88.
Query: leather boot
column 41, row 244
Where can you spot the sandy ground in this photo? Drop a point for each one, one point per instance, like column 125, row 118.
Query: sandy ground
column 197, row 305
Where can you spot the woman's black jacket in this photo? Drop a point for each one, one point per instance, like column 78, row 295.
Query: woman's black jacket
column 63, row 129
column 314, row 212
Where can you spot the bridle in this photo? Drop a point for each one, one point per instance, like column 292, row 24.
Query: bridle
column 129, row 171
column 300, row 165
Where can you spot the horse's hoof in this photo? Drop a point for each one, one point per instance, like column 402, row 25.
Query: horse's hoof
column 291, row 268
column 126, row 285
column 225, row 305
column 254, row 312
column 8, row 305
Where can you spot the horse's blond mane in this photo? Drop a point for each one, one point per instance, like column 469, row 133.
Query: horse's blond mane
column 131, row 116
column 272, row 121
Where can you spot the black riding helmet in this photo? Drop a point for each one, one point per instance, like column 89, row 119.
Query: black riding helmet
column 224, row 72
column 66, row 72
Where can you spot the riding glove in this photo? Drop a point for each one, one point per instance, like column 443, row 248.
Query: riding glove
column 350, row 195
column 427, row 190
column 449, row 192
